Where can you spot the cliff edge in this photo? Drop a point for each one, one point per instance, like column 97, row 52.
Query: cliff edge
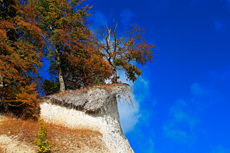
column 93, row 108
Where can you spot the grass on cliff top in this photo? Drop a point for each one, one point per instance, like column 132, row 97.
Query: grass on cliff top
column 1, row 150
column 68, row 140
column 106, row 87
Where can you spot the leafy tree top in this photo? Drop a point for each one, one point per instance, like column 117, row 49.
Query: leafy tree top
column 122, row 51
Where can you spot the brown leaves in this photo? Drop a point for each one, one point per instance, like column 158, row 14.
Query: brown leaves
column 68, row 35
column 121, row 51
column 28, row 97
column 20, row 56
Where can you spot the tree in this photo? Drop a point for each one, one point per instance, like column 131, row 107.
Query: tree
column 20, row 55
column 122, row 51
column 20, row 43
column 66, row 35
column 81, row 68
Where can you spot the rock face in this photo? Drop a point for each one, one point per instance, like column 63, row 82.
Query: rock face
column 94, row 108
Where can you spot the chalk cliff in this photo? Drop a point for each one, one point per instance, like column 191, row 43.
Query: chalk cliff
column 94, row 108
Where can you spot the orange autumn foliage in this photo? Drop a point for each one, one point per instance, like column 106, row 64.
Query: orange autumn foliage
column 74, row 61
column 20, row 56
column 28, row 97
column 123, row 52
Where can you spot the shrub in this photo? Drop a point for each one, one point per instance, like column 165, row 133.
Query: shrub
column 50, row 87
column 30, row 105
column 44, row 146
column 21, row 101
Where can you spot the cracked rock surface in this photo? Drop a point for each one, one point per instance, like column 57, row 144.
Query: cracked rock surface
column 95, row 108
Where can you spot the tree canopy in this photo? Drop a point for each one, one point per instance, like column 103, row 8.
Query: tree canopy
column 20, row 54
column 68, row 47
column 121, row 51
column 78, row 56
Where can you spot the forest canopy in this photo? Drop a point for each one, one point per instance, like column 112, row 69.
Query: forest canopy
column 57, row 30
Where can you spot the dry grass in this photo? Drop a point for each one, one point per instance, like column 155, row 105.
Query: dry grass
column 106, row 86
column 68, row 140
column 2, row 150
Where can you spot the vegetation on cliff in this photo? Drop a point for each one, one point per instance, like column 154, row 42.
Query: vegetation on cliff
column 78, row 57
column 66, row 139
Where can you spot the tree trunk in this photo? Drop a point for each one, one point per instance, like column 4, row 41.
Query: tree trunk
column 60, row 76
column 1, row 90
column 1, row 82
column 114, row 79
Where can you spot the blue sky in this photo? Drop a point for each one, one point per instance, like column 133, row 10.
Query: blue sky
column 182, row 99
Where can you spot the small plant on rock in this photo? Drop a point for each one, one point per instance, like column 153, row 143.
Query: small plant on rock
column 44, row 146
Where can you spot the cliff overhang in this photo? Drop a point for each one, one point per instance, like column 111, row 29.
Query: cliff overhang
column 94, row 108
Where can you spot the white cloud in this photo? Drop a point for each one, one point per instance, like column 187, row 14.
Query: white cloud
column 131, row 116
column 126, row 16
column 202, row 98
column 181, row 123
column 221, row 149
column 184, row 114
column 228, row 1
column 133, row 121
column 196, row 89
column 219, row 25
column 150, row 145
column 98, row 18
column 223, row 76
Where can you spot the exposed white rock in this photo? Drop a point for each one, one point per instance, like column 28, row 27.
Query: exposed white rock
column 12, row 145
column 95, row 109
